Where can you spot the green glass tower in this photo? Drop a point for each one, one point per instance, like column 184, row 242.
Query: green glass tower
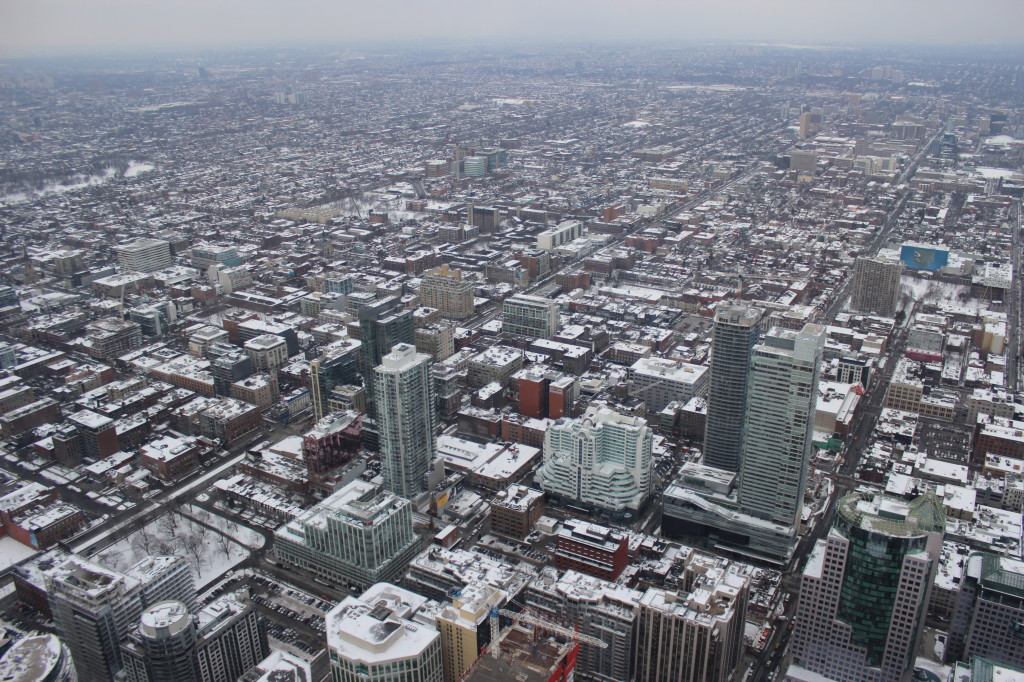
column 864, row 592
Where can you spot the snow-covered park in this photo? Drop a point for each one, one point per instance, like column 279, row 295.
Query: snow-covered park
column 211, row 543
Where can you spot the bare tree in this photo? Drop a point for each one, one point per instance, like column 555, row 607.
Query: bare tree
column 142, row 541
column 224, row 544
column 168, row 524
column 193, row 546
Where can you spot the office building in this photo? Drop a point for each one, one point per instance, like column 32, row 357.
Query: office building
column 594, row 607
column 988, row 612
column 601, row 460
column 205, row 255
column 98, row 433
column 474, row 166
column 465, row 627
column 360, row 535
column 659, row 381
column 515, row 510
column 445, row 289
column 565, row 232
column 38, row 658
column 144, row 255
column 407, row 416
column 497, row 364
column 876, row 285
column 694, row 634
column 781, row 399
column 532, row 316
column 337, row 366
column 155, row 319
column 229, row 367
column 382, row 325
column 267, row 352
column 591, row 549
column 737, row 329
column 865, row 589
column 251, row 328
column 437, row 340
column 374, row 637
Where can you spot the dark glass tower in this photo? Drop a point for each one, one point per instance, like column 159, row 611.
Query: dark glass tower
column 382, row 326
column 737, row 329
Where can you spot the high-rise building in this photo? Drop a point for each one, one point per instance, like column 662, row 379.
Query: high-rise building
column 337, row 366
column 407, row 416
column 694, row 634
column 232, row 638
column 759, row 517
column 92, row 609
column 362, row 534
column 38, row 658
column 144, row 255
column 782, row 396
column 532, row 316
column 988, row 614
column 737, row 329
column 374, row 637
column 445, row 289
column 154, row 319
column 164, row 578
column 162, row 649
column 601, row 460
column 170, row 644
column 865, row 589
column 876, row 285
column 596, row 608
column 382, row 325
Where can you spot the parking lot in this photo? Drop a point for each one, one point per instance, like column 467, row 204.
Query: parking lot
column 945, row 441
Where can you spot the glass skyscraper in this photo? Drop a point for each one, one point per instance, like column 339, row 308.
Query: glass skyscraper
column 381, row 326
column 865, row 589
column 781, row 398
column 737, row 328
column 407, row 416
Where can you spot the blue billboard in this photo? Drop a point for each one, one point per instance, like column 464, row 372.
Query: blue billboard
column 918, row 257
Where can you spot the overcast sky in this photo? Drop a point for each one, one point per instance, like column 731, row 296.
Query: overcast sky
column 40, row 26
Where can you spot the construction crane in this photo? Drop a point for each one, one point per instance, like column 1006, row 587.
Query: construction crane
column 538, row 622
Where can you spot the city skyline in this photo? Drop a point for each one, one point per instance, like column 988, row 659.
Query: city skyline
column 326, row 362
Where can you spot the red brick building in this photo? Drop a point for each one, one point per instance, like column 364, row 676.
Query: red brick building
column 591, row 549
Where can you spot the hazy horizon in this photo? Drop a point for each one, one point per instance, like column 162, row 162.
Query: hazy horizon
column 63, row 27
